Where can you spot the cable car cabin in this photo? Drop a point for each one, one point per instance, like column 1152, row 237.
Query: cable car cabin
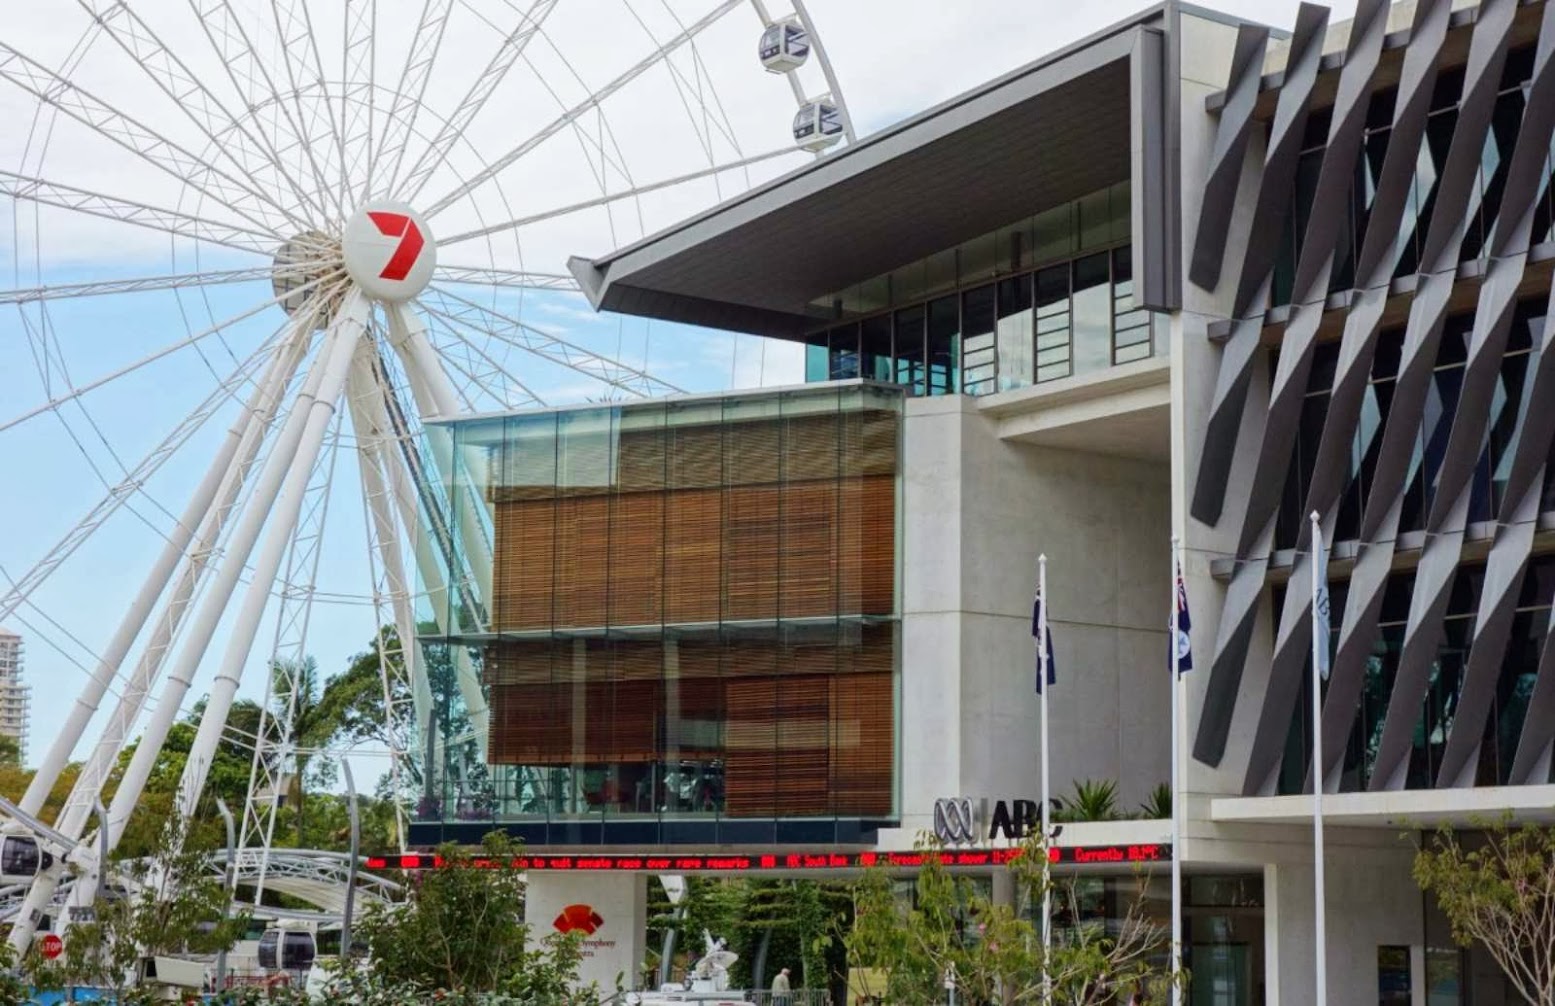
column 287, row 948
column 21, row 859
column 818, row 125
column 784, row 46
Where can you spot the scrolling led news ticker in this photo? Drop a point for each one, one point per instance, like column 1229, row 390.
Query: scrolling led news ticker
column 755, row 862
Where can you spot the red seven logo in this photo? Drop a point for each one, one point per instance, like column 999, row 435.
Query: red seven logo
column 398, row 225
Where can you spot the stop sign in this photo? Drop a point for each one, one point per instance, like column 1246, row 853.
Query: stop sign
column 52, row 946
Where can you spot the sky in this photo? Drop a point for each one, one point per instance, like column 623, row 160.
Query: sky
column 893, row 58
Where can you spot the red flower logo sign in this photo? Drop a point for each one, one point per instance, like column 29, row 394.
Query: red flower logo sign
column 581, row 917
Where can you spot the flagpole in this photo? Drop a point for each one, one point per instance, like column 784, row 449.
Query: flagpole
column 1176, row 671
column 1047, row 803
column 1319, row 639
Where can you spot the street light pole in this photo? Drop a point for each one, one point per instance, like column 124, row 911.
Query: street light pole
column 227, row 883
column 356, row 838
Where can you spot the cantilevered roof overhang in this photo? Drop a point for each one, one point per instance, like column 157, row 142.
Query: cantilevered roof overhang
column 1087, row 116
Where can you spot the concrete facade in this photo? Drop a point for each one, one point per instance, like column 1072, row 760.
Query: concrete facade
column 978, row 510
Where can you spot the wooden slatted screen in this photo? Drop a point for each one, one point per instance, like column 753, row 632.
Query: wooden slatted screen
column 748, row 520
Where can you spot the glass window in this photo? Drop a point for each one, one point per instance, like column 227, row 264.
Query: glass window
column 1053, row 233
column 909, row 348
column 875, row 348
column 977, row 326
column 1091, row 304
column 944, row 370
column 1130, row 325
column 1393, row 984
column 1054, row 347
column 1095, row 220
column 816, row 363
column 843, row 347
column 1015, row 333
column 976, row 259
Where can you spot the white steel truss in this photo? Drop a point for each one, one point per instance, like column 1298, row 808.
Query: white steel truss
column 247, row 178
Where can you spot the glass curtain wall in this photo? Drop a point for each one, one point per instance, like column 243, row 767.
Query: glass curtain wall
column 1509, row 410
column 980, row 318
column 692, row 612
column 1484, row 200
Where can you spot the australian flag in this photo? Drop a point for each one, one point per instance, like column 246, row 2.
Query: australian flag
column 1183, row 646
column 1039, row 630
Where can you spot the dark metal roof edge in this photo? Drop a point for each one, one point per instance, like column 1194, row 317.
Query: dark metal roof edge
column 855, row 155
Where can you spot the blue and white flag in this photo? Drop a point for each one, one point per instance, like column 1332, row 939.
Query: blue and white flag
column 1183, row 654
column 1320, row 606
column 1039, row 630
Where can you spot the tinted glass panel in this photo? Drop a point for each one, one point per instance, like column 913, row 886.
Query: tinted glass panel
column 1091, row 302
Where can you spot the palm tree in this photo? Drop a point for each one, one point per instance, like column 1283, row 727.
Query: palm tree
column 301, row 720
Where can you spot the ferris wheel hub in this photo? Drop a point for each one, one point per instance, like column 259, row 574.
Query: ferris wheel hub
column 304, row 268
column 389, row 251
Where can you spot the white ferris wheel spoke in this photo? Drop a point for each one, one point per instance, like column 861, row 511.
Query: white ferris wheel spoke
column 248, row 73
column 227, row 133
column 132, row 482
column 144, row 284
column 592, row 101
column 400, row 123
column 358, row 98
column 612, row 197
column 148, row 359
column 174, row 222
column 510, row 278
column 192, row 170
column 693, row 90
column 299, row 50
column 461, row 311
column 475, row 99
column 497, row 381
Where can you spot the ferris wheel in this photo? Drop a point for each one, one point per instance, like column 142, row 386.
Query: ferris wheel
column 250, row 247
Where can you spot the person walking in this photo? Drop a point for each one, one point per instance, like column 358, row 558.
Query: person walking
column 780, row 989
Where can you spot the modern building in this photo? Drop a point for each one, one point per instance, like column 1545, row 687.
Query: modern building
column 1188, row 277
column 14, row 693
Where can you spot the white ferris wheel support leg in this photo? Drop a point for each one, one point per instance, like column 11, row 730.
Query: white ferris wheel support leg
column 345, row 331
column 284, row 457
column 375, row 443
column 435, row 397
column 260, row 406
column 250, row 426
column 372, row 445
column 430, row 568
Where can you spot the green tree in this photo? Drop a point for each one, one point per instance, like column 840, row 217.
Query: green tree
column 167, row 903
column 227, row 778
column 906, row 943
column 462, row 931
column 305, row 724
column 1500, row 892
column 353, row 701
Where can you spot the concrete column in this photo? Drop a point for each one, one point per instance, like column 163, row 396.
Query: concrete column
column 1004, row 888
column 1372, row 902
column 611, row 910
